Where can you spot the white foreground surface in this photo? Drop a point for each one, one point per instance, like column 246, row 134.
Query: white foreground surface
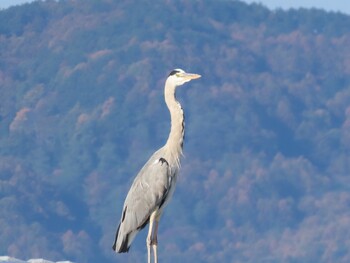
column 6, row 259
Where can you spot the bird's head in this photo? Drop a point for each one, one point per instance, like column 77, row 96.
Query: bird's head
column 179, row 77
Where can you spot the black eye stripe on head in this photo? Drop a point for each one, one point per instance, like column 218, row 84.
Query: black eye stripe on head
column 174, row 72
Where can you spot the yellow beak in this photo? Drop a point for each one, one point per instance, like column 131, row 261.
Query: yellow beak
column 190, row 76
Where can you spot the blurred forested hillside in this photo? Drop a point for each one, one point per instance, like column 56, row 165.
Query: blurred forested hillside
column 265, row 176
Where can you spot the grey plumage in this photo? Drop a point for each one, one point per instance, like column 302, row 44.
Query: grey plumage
column 155, row 183
column 146, row 194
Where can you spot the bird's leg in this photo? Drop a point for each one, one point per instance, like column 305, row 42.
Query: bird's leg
column 148, row 241
column 150, row 236
column 154, row 241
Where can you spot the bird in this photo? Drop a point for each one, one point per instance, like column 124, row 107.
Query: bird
column 155, row 183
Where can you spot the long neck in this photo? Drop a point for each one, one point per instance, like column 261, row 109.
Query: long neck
column 177, row 131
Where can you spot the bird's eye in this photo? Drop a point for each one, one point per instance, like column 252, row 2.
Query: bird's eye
column 178, row 74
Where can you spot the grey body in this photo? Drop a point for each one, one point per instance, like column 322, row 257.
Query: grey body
column 155, row 183
column 150, row 192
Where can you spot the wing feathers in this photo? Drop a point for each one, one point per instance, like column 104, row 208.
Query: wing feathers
column 147, row 193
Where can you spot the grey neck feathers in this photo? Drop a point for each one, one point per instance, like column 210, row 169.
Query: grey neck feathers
column 175, row 140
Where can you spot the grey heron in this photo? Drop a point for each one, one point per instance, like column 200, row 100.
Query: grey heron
column 154, row 185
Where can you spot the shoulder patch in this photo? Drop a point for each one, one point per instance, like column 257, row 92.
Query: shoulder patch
column 162, row 160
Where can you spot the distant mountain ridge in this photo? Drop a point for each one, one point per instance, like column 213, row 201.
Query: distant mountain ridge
column 265, row 173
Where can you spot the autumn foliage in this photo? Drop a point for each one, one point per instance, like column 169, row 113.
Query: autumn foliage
column 265, row 177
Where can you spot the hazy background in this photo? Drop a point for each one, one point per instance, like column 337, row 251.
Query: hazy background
column 265, row 177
